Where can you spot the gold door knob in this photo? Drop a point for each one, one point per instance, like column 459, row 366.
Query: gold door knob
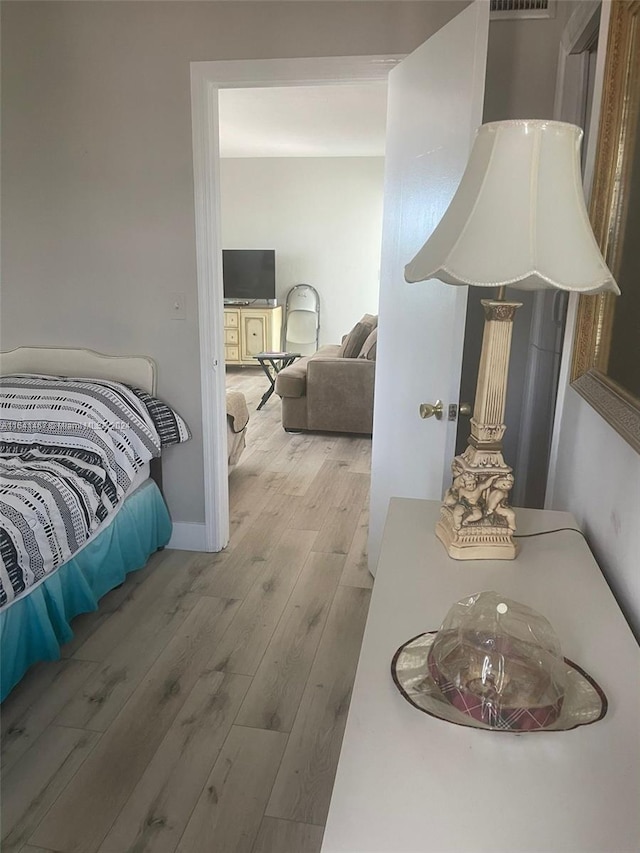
column 428, row 410
column 465, row 409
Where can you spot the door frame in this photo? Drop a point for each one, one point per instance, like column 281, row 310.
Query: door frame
column 207, row 78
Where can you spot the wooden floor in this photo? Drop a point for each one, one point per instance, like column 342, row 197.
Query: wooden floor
column 201, row 708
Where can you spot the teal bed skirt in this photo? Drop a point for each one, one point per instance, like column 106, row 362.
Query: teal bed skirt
column 36, row 626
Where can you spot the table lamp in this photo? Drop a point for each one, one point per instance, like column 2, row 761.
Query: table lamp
column 518, row 219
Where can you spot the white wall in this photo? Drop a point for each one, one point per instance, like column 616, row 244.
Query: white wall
column 323, row 216
column 597, row 478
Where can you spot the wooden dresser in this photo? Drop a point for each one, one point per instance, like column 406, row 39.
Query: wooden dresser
column 250, row 330
column 410, row 783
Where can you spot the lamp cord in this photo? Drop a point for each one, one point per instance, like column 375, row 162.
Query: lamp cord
column 546, row 532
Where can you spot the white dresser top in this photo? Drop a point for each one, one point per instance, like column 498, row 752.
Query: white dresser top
column 408, row 782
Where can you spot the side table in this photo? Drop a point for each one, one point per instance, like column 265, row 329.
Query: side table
column 272, row 363
column 409, row 783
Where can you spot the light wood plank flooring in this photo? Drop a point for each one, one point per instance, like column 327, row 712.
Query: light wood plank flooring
column 203, row 706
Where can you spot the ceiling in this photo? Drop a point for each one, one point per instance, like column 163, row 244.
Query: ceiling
column 304, row 121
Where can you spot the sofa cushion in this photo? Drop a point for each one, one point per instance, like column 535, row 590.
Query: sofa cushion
column 327, row 351
column 369, row 347
column 292, row 381
column 340, row 394
column 352, row 344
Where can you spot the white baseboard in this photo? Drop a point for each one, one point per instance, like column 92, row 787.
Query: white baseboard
column 187, row 536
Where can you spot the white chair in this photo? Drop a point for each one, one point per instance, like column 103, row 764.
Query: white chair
column 302, row 320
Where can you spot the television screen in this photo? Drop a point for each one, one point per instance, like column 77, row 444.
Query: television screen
column 249, row 274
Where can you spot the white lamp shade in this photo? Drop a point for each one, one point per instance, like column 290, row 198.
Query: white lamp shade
column 518, row 217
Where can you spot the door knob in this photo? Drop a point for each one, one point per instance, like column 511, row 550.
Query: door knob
column 428, row 410
column 465, row 409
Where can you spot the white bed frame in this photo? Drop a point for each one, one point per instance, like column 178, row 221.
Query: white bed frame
column 135, row 370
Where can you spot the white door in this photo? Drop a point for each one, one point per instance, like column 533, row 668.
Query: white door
column 434, row 107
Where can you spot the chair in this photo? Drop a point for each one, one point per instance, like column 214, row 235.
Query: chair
column 302, row 320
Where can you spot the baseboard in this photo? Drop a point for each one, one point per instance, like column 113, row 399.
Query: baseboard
column 187, row 536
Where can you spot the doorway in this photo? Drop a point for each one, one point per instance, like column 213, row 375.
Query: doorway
column 301, row 185
column 207, row 79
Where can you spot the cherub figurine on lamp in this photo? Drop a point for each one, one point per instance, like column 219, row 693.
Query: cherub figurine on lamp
column 477, row 522
column 518, row 219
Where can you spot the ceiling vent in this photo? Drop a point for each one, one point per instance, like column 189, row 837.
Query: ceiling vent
column 502, row 9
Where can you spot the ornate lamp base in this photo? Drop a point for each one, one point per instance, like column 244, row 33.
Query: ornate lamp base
column 475, row 542
column 476, row 521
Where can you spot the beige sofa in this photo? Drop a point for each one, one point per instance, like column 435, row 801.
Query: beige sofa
column 332, row 390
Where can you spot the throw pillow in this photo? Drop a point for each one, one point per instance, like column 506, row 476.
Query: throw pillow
column 352, row 344
column 369, row 347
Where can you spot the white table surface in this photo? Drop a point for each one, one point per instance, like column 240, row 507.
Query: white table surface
column 408, row 782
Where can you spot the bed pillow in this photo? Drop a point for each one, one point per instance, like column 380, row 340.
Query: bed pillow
column 171, row 428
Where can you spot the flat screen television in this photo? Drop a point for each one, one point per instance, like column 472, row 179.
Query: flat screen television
column 249, row 274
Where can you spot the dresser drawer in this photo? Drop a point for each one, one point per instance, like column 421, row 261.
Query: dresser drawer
column 231, row 319
column 232, row 336
column 231, row 353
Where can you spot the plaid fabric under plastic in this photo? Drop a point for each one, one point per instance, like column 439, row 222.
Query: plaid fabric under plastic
column 511, row 719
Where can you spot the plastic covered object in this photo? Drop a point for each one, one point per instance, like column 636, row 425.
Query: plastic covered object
column 499, row 662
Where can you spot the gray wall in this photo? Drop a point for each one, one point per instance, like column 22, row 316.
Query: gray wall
column 522, row 66
column 521, row 81
column 596, row 474
column 597, row 478
column 97, row 191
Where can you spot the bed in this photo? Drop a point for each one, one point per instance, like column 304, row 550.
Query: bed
column 80, row 508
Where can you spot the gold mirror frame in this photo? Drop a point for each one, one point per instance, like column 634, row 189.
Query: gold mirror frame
column 618, row 122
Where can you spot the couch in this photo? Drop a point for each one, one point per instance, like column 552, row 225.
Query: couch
column 332, row 390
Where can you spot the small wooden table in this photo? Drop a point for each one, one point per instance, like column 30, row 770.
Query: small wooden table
column 272, row 363
column 409, row 783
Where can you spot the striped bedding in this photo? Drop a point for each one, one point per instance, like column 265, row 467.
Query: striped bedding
column 69, row 451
